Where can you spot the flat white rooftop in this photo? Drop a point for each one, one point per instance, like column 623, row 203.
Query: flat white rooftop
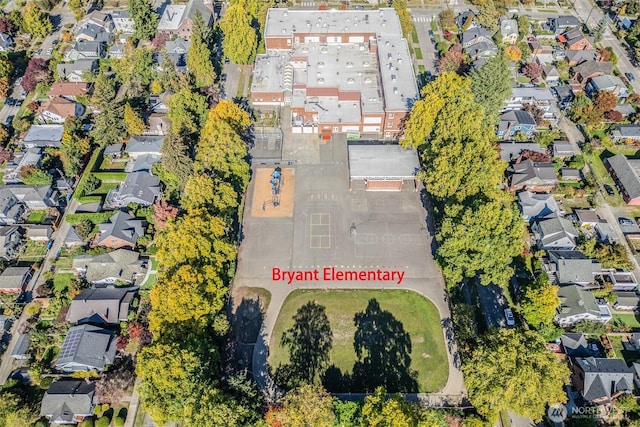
column 387, row 161
column 171, row 17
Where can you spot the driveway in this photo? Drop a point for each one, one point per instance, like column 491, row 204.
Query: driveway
column 493, row 304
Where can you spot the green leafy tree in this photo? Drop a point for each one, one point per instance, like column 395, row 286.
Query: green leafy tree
column 187, row 112
column 448, row 19
column 199, row 56
column 205, row 192
column 539, row 304
column 78, row 8
column 491, row 84
column 109, row 126
column 306, row 406
column 144, row 18
column 524, row 26
column 31, row 175
column 512, row 370
column 481, row 237
column 134, row 123
column 348, row 413
column 176, row 161
column 36, row 21
column 73, row 147
column 240, row 38
column 488, row 16
column 6, row 67
column 309, row 341
column 393, row 411
column 406, row 23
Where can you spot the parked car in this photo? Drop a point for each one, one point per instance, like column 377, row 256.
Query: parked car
column 609, row 190
column 49, row 51
column 9, row 120
column 508, row 314
column 630, row 77
column 11, row 102
column 625, row 221
column 55, row 42
column 38, row 52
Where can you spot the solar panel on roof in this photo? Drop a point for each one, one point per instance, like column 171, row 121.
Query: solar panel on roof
column 71, row 343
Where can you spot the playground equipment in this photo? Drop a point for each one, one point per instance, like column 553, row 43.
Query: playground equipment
column 276, row 184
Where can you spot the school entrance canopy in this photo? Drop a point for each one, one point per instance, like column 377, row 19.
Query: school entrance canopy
column 382, row 167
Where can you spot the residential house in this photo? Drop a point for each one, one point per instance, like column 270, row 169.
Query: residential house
column 542, row 98
column 101, row 19
column 144, row 145
column 623, row 281
column 12, row 210
column 158, row 124
column 578, row 304
column 575, row 40
column 177, row 19
column 43, row 136
column 87, row 348
column 626, row 301
column 83, row 49
column 481, row 50
column 476, row 35
column 122, row 21
column 624, row 133
column 158, row 103
column 575, row 57
column 510, row 151
column 177, row 52
column 21, row 159
column 600, row 380
column 555, row 233
column 515, row 121
column 625, row 174
column 14, row 279
column 72, row 239
column 562, row 23
column 113, row 151
column 605, row 233
column 462, row 18
column 590, row 69
column 6, row 42
column 21, row 349
column 509, row 31
column 68, row 401
column 564, row 94
column 120, row 231
column 570, row 174
column 141, row 188
column 77, row 71
column 572, row 268
column 563, row 149
column 38, row 232
column 142, row 163
column 587, row 217
column 91, row 32
column 535, row 205
column 607, row 83
column 575, row 345
column 69, row 90
column 11, row 240
column 102, row 306
column 116, row 50
column 550, row 74
column 539, row 177
column 58, row 109
column 34, row 197
column 117, row 267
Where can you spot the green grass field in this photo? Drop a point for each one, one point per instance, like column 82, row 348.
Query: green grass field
column 36, row 217
column 419, row 317
column 61, row 280
column 629, row 319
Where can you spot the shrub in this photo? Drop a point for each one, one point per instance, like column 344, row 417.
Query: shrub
column 103, row 422
column 119, row 421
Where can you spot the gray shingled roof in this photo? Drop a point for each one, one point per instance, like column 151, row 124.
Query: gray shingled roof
column 145, row 144
column 626, row 131
column 120, row 264
column 66, row 398
column 476, row 34
column 139, row 187
column 626, row 174
column 535, row 205
column 12, row 277
column 575, row 345
column 101, row 305
column 87, row 347
column 574, row 267
column 604, row 377
column 122, row 226
column 529, row 172
column 575, row 300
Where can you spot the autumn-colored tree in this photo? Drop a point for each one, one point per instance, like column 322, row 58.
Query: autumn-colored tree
column 307, row 405
column 114, row 384
column 6, row 67
column 452, row 60
column 4, row 136
column 512, row 370
column 133, row 121
column 5, row 155
column 614, row 116
column 513, row 52
column 447, row 19
column 37, row 71
column 539, row 304
column 231, row 113
column 32, row 175
column 240, row 38
column 204, row 192
column 36, row 21
column 406, row 23
column 533, row 70
column 379, row 410
column 163, row 212
column 605, row 101
column 4, row 87
column 536, row 113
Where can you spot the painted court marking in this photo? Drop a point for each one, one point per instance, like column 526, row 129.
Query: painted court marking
column 320, row 231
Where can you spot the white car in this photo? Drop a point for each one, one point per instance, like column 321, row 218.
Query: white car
column 508, row 314
column 49, row 51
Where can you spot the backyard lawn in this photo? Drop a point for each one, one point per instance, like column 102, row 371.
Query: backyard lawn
column 36, row 217
column 33, row 250
column 61, row 280
column 629, row 319
column 418, row 316
column 629, row 356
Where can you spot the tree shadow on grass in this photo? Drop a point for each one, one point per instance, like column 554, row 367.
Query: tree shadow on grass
column 383, row 349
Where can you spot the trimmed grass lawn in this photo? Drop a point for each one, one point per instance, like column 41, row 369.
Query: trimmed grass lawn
column 414, row 37
column 36, row 217
column 418, row 316
column 104, row 188
column 621, row 353
column 418, row 53
column 33, row 250
column 629, row 319
column 61, row 280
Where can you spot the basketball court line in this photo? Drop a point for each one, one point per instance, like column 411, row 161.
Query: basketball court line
column 320, row 230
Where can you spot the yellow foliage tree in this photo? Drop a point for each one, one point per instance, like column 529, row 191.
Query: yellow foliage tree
column 514, row 53
column 135, row 124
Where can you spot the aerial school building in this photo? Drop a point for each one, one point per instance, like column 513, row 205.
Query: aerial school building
column 346, row 72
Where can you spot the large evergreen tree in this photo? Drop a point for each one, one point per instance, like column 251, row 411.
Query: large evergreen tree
column 199, row 55
column 491, row 84
column 145, row 19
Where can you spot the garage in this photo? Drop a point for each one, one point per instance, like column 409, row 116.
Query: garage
column 382, row 167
